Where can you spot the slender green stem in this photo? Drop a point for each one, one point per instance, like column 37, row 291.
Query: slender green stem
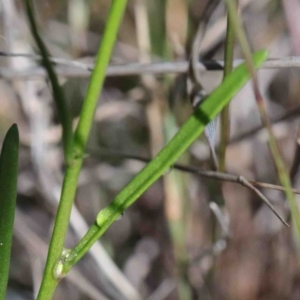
column 51, row 278
column 281, row 169
column 53, row 272
column 188, row 133
column 228, row 64
column 98, row 76
column 60, row 101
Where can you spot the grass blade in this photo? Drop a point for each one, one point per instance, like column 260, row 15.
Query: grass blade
column 8, row 192
column 188, row 133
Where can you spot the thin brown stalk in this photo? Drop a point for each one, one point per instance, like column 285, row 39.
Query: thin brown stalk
column 250, row 184
column 281, row 169
column 225, row 122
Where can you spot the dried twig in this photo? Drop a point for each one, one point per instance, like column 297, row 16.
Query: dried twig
column 73, row 68
column 209, row 174
column 190, row 169
column 243, row 181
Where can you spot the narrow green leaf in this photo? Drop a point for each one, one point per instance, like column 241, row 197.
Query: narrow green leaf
column 187, row 134
column 8, row 193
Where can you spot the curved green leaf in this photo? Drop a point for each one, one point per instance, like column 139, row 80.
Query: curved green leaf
column 8, row 192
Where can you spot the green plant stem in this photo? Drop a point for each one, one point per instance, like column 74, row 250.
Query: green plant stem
column 188, row 133
column 279, row 164
column 52, row 273
column 50, row 280
column 228, row 65
column 60, row 101
column 98, row 76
